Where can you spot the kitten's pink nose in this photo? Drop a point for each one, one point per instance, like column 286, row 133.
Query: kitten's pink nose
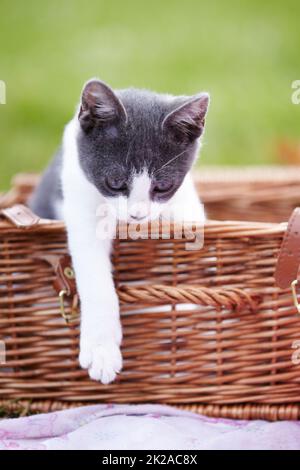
column 139, row 211
column 137, row 217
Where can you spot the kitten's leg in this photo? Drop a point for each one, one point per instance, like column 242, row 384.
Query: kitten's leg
column 101, row 333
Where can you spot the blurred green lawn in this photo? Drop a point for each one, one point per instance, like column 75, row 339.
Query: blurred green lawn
column 246, row 53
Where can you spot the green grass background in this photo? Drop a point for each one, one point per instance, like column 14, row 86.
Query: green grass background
column 246, row 53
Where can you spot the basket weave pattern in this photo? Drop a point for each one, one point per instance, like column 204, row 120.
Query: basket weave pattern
column 206, row 330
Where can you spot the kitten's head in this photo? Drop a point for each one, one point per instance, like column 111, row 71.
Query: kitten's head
column 137, row 146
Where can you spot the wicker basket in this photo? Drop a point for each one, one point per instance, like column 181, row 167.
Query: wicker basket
column 266, row 194
column 205, row 330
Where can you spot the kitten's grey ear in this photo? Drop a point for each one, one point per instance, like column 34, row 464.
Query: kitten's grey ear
column 99, row 105
column 188, row 120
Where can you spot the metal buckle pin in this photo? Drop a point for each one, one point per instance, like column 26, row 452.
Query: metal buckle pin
column 294, row 293
column 68, row 317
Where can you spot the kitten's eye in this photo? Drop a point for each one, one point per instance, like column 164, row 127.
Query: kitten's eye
column 116, row 184
column 162, row 186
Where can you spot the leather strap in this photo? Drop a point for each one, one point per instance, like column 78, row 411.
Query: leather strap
column 288, row 263
column 62, row 267
column 21, row 216
column 64, row 284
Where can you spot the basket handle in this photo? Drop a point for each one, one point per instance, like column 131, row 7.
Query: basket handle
column 22, row 216
column 65, row 286
column 287, row 268
column 218, row 298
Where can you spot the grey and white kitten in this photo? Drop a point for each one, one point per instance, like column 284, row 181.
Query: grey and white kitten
column 132, row 149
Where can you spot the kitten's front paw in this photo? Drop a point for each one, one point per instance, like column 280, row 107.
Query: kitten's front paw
column 103, row 360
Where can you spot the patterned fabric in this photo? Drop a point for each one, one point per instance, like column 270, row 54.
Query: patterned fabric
column 143, row 427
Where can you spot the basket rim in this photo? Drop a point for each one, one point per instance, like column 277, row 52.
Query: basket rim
column 225, row 229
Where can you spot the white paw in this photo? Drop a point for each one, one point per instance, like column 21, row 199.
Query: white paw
column 103, row 360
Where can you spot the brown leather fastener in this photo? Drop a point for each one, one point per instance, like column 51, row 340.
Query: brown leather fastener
column 289, row 256
column 64, row 284
column 21, row 216
column 65, row 278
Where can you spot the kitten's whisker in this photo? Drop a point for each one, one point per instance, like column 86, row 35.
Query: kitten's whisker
column 170, row 161
column 129, row 149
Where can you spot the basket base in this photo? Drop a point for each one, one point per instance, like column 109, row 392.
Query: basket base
column 249, row 411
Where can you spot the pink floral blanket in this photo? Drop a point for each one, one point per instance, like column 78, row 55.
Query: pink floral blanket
column 148, row 427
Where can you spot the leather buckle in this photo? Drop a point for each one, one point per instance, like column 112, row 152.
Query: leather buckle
column 73, row 314
column 294, row 294
column 21, row 216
